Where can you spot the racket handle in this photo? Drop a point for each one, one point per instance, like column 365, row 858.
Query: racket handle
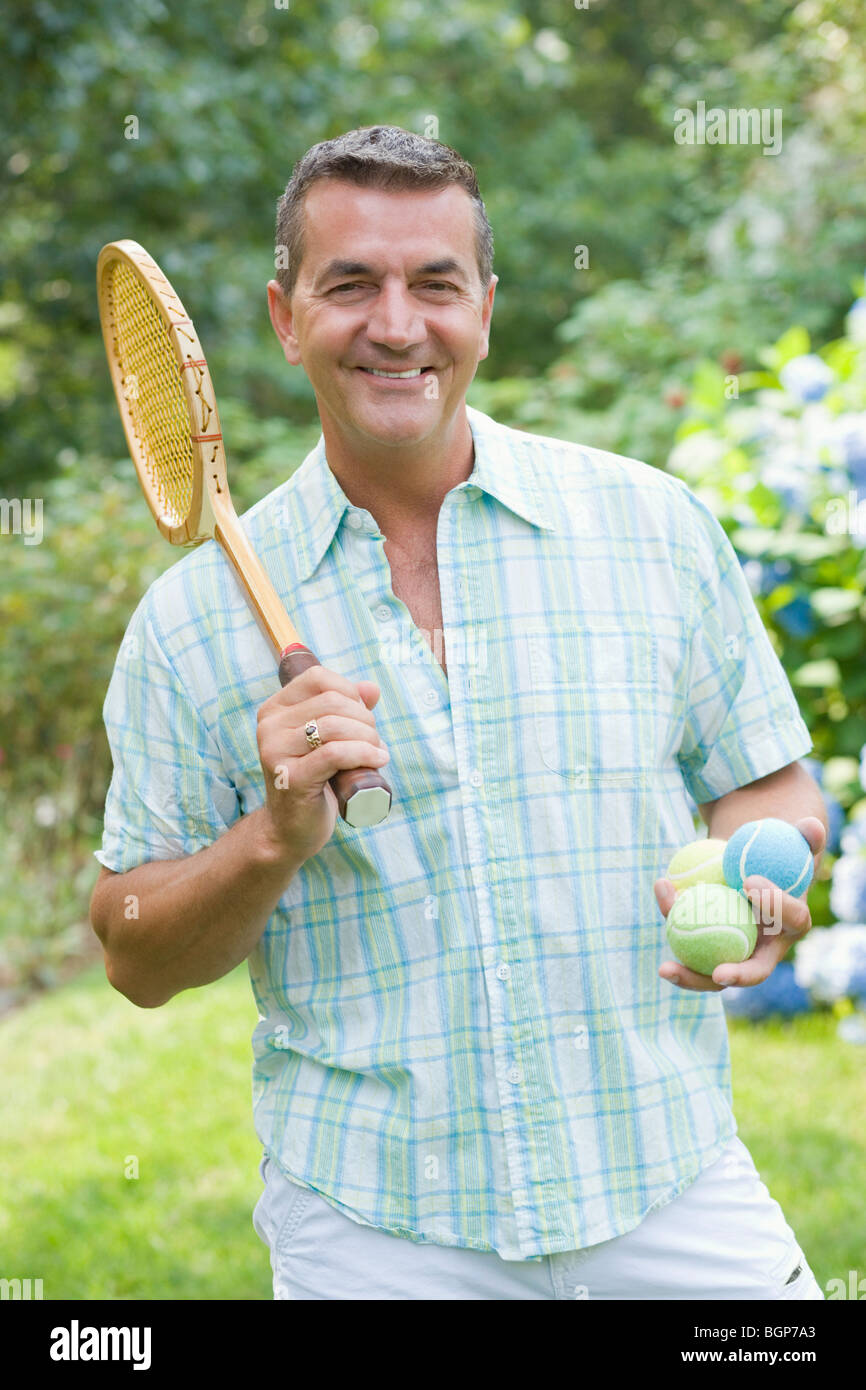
column 363, row 795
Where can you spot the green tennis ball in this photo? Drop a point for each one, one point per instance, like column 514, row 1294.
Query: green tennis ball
column 699, row 862
column 711, row 925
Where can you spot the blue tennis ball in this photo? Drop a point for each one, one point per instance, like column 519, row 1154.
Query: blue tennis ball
column 772, row 848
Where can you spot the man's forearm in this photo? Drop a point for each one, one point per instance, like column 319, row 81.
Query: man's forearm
column 174, row 924
column 789, row 796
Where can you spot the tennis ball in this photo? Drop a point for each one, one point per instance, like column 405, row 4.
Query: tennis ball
column 710, row 924
column 699, row 862
column 775, row 850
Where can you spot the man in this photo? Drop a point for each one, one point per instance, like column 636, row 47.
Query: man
column 475, row 1075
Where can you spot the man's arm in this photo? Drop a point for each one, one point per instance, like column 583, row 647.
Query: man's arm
column 790, row 794
column 175, row 924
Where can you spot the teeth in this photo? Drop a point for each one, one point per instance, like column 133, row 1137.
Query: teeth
column 416, row 371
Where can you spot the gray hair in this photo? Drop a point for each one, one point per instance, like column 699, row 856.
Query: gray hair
column 378, row 156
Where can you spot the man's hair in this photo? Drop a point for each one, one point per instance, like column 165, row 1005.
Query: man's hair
column 378, row 156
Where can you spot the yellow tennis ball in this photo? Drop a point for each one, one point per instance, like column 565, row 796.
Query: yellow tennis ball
column 699, row 862
column 709, row 925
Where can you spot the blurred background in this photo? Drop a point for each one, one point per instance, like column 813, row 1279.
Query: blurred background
column 700, row 306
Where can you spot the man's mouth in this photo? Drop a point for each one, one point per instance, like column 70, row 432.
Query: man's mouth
column 396, row 376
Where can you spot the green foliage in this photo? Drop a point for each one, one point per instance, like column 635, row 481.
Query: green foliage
column 568, row 116
column 64, row 607
column 775, row 467
column 697, row 258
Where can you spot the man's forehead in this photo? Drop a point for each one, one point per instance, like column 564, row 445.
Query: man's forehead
column 431, row 224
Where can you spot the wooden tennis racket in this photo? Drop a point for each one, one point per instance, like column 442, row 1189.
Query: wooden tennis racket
column 168, row 407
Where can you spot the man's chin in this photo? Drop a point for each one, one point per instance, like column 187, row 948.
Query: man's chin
column 399, row 427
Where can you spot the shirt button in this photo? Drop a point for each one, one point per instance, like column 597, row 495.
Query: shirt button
column 354, row 520
column 503, row 971
column 383, row 613
column 430, row 697
column 475, row 777
column 513, row 1075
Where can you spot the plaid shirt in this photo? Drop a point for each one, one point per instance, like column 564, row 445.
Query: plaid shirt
column 463, row 1038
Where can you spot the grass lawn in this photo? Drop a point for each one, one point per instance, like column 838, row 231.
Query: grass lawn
column 88, row 1081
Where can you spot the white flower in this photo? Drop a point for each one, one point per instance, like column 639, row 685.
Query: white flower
column 46, row 812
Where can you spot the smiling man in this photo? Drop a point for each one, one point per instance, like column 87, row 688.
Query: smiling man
column 475, row 1074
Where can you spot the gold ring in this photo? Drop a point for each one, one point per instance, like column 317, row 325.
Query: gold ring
column 313, row 736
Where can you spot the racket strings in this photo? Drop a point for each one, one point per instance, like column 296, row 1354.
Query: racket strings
column 153, row 392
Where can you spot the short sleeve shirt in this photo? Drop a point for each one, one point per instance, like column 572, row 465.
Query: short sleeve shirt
column 463, row 1038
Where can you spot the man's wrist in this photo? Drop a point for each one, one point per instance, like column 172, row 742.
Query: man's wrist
column 269, row 849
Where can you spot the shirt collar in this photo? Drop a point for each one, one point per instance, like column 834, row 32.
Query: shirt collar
column 504, row 468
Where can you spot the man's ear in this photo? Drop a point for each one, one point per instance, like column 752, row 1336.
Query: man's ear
column 486, row 311
column 280, row 309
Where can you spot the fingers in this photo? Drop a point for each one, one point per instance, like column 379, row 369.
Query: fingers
column 370, row 693
column 665, row 893
column 678, row 974
column 318, row 679
column 781, row 918
column 328, row 704
column 778, row 914
column 342, row 711
column 331, row 727
column 812, row 829
column 317, row 765
column 761, row 964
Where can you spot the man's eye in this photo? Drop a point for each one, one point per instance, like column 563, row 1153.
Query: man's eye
column 349, row 285
column 438, row 285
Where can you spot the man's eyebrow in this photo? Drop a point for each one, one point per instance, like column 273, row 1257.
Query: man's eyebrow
column 447, row 266
column 335, row 270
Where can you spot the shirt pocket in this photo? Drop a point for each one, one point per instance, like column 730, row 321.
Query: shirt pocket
column 593, row 696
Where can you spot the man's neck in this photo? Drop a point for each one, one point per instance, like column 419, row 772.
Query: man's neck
column 401, row 488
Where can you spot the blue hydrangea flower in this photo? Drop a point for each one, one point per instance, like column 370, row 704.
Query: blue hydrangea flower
column 796, row 618
column 835, row 809
column 788, row 479
column 780, row 993
column 807, row 378
column 848, row 892
column 835, row 822
column 851, row 440
column 831, row 962
column 775, row 573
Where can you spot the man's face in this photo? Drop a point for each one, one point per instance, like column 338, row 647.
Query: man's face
column 388, row 283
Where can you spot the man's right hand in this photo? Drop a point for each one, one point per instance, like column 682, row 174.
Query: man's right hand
column 300, row 808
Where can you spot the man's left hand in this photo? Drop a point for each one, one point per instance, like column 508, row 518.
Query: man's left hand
column 782, row 921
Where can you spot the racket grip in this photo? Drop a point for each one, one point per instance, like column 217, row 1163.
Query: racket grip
column 363, row 795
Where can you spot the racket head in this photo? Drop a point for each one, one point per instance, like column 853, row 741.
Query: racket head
column 164, row 392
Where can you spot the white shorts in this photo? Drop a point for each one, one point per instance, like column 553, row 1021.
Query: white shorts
column 725, row 1237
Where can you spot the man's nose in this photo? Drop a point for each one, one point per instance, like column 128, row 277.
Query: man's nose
column 395, row 319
